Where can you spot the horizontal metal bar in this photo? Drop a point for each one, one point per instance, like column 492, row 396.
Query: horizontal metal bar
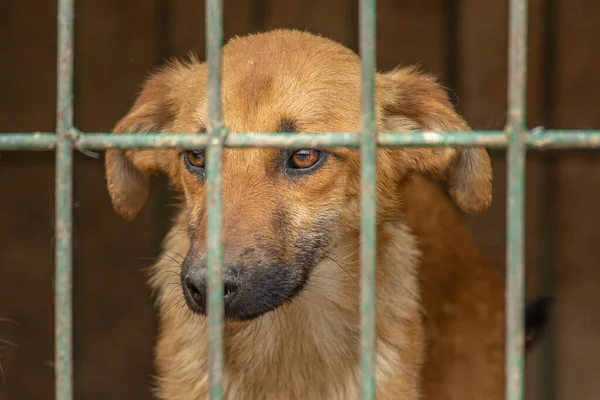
column 536, row 139
column 28, row 141
column 563, row 139
column 293, row 140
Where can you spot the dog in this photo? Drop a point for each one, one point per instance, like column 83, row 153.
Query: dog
column 290, row 232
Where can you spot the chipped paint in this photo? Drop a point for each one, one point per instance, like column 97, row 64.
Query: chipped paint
column 432, row 137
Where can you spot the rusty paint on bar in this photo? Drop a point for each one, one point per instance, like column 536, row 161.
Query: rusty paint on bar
column 215, row 136
column 516, row 127
column 63, row 310
column 368, row 226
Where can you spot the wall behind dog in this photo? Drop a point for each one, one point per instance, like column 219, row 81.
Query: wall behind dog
column 116, row 45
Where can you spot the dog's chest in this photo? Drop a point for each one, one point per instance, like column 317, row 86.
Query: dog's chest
column 342, row 385
column 307, row 367
column 284, row 374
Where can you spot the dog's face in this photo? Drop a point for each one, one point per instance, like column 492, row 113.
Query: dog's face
column 283, row 210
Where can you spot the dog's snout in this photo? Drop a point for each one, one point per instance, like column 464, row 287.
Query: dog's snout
column 195, row 285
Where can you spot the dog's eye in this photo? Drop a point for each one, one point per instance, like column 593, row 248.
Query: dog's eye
column 194, row 158
column 305, row 159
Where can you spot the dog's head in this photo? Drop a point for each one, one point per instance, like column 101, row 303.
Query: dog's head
column 284, row 209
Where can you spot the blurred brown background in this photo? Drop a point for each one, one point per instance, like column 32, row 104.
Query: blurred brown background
column 117, row 43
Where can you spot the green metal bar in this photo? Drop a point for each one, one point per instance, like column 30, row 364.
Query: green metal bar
column 63, row 309
column 516, row 127
column 563, row 139
column 215, row 136
column 28, row 141
column 368, row 225
column 536, row 139
column 295, row 140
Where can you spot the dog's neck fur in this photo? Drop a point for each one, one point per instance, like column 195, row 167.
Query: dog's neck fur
column 308, row 348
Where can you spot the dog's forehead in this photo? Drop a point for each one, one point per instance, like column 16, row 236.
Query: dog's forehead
column 281, row 47
column 271, row 78
column 288, row 76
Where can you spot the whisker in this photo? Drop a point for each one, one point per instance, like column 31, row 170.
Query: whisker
column 174, row 304
column 147, row 258
column 343, row 269
column 184, row 310
column 259, row 326
column 163, row 252
column 180, row 263
column 195, row 112
column 299, row 295
column 185, row 314
column 175, row 287
column 354, row 294
column 339, row 278
column 278, row 313
column 170, row 272
column 272, row 322
column 176, row 253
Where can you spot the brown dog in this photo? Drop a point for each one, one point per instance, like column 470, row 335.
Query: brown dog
column 291, row 233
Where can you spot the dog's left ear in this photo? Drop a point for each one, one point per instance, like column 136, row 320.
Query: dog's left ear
column 127, row 171
column 412, row 101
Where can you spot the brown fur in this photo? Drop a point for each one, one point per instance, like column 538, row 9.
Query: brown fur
column 439, row 305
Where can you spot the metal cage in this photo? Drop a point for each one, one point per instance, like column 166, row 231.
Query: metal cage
column 515, row 137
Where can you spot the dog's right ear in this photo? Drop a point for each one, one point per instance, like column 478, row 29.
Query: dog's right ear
column 127, row 171
column 411, row 101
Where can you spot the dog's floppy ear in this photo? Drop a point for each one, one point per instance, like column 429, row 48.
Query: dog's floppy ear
column 412, row 101
column 127, row 170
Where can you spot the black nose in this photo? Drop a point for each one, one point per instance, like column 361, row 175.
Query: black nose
column 196, row 283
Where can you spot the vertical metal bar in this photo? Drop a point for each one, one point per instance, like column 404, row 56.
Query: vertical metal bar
column 368, row 234
column 216, row 133
column 63, row 213
column 516, row 128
